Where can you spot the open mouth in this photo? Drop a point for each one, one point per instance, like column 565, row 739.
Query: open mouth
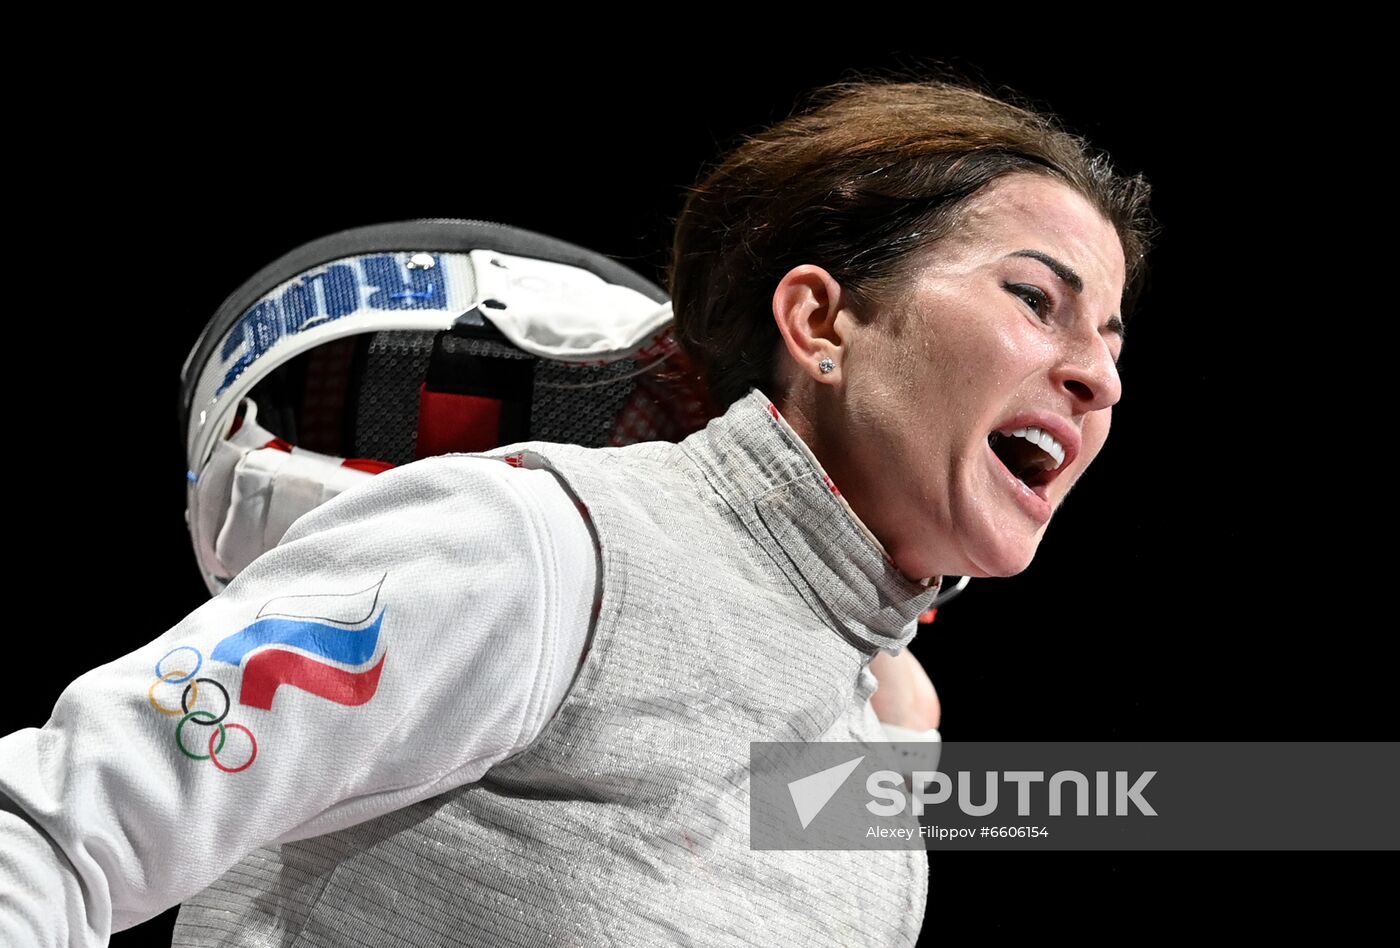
column 1032, row 455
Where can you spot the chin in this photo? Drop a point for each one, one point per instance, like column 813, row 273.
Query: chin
column 1006, row 559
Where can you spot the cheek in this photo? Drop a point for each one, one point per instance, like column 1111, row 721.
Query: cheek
column 1095, row 434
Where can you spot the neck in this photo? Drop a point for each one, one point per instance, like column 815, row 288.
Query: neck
column 805, row 414
column 776, row 487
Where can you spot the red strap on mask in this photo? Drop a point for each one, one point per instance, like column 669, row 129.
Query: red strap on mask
column 450, row 423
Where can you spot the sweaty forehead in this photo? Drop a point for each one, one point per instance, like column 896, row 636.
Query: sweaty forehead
column 1035, row 212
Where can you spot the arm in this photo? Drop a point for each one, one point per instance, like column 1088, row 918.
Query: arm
column 401, row 639
column 906, row 700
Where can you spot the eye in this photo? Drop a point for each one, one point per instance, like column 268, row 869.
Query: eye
column 1035, row 299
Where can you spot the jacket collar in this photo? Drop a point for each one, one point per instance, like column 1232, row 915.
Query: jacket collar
column 766, row 473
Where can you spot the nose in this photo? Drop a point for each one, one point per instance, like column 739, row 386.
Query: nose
column 1086, row 370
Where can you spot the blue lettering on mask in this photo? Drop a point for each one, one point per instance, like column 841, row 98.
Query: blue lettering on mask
column 424, row 290
column 324, row 297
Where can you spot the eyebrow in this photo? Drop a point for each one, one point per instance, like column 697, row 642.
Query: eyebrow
column 1072, row 280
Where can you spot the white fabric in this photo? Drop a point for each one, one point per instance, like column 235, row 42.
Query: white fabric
column 558, row 311
column 271, row 490
column 488, row 579
column 249, row 494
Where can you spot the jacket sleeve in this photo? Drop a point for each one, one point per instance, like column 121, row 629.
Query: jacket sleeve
column 399, row 641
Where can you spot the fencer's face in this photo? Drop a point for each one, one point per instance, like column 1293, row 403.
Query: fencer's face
column 1012, row 325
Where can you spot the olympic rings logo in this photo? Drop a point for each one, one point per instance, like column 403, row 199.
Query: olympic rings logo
column 188, row 712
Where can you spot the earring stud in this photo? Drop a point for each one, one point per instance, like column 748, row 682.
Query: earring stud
column 826, row 365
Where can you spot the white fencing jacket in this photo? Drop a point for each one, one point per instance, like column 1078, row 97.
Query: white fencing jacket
column 156, row 773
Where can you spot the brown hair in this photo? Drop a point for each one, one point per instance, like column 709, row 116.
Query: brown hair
column 859, row 181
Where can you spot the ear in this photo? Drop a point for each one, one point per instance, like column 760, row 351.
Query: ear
column 806, row 307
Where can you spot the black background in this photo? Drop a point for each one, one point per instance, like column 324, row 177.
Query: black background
column 1173, row 599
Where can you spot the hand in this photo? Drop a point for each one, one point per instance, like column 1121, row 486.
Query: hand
column 906, row 696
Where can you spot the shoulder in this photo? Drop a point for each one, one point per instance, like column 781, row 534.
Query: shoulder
column 647, row 466
column 448, row 500
column 466, row 483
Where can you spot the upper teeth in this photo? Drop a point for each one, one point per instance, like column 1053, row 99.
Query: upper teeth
column 1045, row 440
